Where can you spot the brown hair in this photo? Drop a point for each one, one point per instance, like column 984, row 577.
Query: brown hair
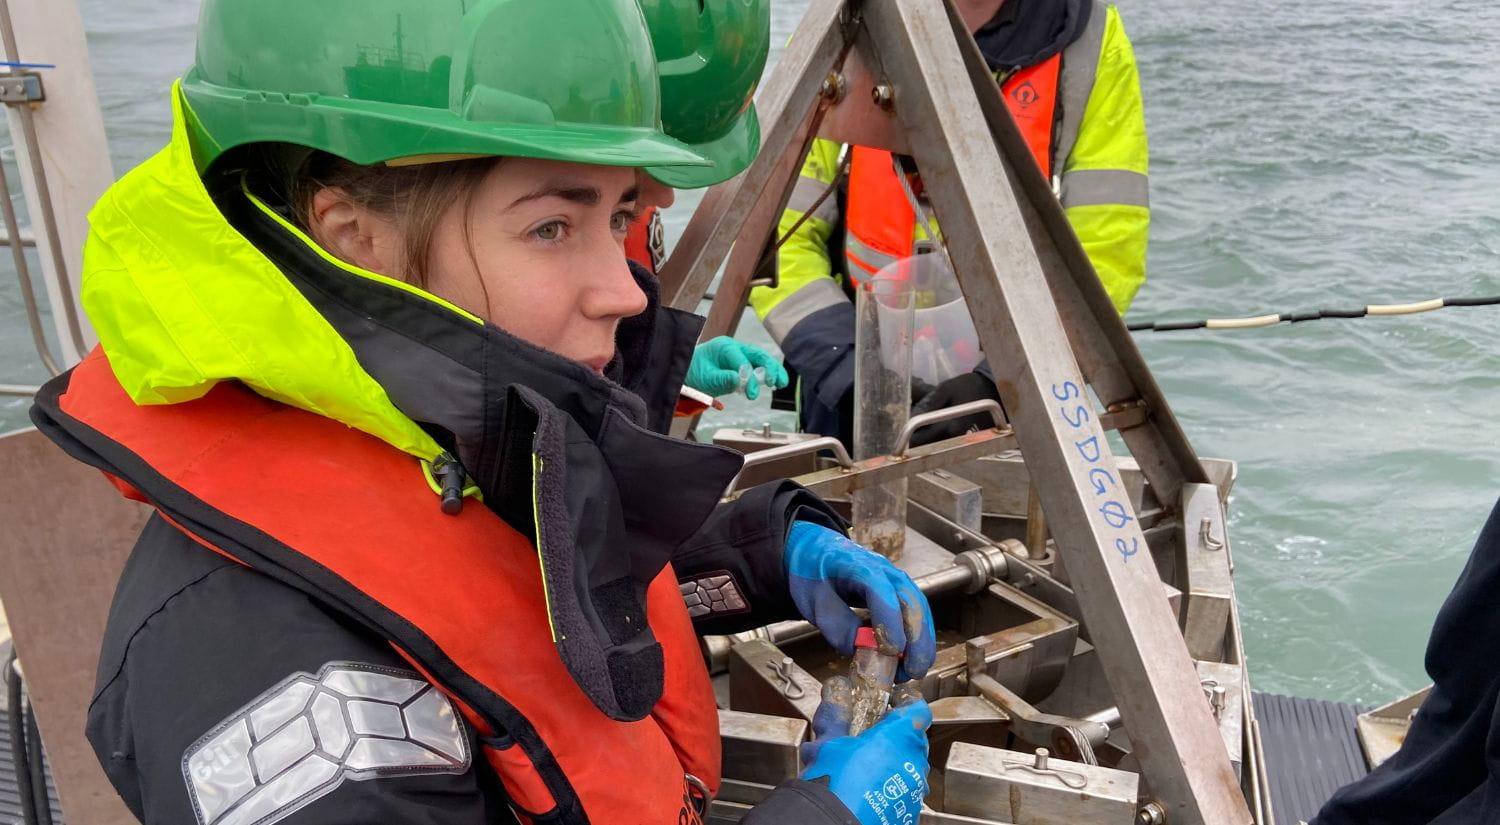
column 414, row 197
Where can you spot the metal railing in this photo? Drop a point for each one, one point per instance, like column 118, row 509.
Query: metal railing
column 21, row 88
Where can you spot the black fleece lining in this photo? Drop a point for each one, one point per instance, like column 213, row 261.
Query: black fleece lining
column 1026, row 32
column 301, row 573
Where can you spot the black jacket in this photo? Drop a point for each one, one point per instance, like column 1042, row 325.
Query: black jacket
column 199, row 650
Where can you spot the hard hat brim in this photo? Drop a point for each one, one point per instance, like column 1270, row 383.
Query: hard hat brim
column 389, row 132
column 730, row 155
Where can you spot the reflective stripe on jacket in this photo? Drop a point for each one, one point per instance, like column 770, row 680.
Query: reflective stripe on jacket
column 1100, row 151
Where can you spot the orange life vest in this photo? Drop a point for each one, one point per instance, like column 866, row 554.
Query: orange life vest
column 644, row 243
column 348, row 519
column 879, row 216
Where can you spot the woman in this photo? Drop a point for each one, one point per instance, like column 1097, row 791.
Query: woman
column 371, row 348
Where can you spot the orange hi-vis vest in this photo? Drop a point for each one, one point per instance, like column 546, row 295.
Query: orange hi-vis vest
column 349, row 520
column 879, row 217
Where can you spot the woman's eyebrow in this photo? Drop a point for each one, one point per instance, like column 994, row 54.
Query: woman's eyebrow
column 580, row 194
column 575, row 193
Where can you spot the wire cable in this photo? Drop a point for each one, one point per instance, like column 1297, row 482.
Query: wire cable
column 1258, row 321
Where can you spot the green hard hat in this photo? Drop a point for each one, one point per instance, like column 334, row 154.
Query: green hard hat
column 374, row 81
column 710, row 54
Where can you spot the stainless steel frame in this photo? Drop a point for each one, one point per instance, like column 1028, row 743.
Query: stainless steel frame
column 888, row 73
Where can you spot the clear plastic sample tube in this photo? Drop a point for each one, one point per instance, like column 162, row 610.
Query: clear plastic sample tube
column 884, row 307
column 872, row 674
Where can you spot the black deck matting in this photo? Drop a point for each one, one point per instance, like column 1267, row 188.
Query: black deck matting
column 10, row 799
column 1311, row 749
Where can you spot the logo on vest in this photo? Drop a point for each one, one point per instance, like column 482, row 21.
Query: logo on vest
column 1024, row 95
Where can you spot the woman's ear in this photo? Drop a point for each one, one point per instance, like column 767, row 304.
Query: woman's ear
column 355, row 234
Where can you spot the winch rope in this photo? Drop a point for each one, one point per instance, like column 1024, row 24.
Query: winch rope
column 1257, row 321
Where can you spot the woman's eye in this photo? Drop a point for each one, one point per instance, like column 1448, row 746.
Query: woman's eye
column 549, row 232
column 622, row 221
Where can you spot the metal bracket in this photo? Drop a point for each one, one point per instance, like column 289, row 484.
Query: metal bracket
column 1210, row 595
column 1071, row 739
column 20, row 88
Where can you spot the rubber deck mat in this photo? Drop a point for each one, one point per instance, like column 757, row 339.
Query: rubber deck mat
column 1311, row 749
column 10, row 799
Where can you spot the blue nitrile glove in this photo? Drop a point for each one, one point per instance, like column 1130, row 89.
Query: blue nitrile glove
column 828, row 574
column 881, row 774
column 717, row 364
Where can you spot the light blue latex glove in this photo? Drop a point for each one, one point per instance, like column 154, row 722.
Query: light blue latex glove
column 717, row 363
column 880, row 775
column 828, row 574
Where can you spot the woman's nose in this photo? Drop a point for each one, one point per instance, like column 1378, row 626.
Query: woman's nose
column 613, row 292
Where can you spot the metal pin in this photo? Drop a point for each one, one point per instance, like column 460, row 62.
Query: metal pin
column 1218, row 700
column 1041, row 759
column 783, row 670
column 1206, row 533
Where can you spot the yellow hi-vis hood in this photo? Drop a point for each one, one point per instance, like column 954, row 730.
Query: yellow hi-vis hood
column 182, row 301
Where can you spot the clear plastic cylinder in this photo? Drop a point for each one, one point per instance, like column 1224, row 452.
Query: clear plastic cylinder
column 884, row 308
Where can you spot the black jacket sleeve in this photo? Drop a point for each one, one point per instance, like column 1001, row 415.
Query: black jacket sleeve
column 186, row 722
column 802, row 802
column 732, row 573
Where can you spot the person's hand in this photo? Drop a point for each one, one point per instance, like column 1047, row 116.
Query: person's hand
column 881, row 774
column 829, row 574
column 717, row 364
column 960, row 389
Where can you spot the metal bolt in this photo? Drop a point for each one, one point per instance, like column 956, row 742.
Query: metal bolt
column 765, row 430
column 1151, row 814
column 1028, row 580
column 1041, row 759
column 1218, row 700
column 833, row 87
column 882, row 95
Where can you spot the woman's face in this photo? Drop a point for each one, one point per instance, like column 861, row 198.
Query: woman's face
column 537, row 247
column 540, row 251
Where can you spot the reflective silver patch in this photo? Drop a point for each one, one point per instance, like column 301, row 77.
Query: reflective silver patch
column 302, row 738
column 715, row 592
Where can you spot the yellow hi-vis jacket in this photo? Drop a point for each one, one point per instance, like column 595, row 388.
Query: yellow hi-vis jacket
column 1101, row 154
